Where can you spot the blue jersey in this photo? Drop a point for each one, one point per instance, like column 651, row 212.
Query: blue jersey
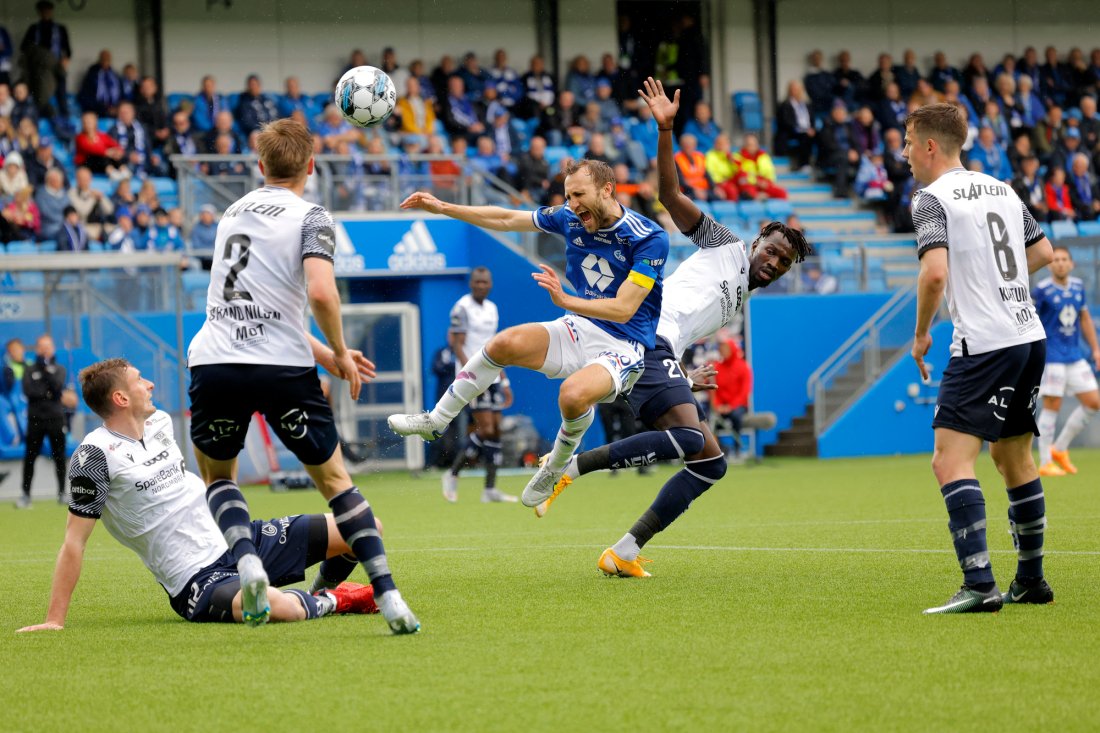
column 1060, row 310
column 633, row 249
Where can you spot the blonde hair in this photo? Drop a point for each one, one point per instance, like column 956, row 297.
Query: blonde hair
column 285, row 147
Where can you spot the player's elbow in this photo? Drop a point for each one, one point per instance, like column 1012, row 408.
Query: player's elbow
column 934, row 276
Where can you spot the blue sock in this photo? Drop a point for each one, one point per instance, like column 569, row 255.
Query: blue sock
column 334, row 571
column 355, row 520
column 314, row 607
column 653, row 446
column 490, row 451
column 1027, row 520
column 230, row 512
column 966, row 520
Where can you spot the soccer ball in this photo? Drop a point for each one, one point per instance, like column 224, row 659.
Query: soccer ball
column 365, row 96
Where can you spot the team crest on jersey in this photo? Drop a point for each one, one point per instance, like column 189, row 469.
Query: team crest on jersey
column 269, row 530
column 597, row 271
column 162, row 438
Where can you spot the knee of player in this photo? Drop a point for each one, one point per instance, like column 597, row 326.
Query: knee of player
column 504, row 346
column 690, row 440
column 573, row 399
column 712, row 469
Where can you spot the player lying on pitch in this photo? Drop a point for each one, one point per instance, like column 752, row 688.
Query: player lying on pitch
column 702, row 296
column 130, row 474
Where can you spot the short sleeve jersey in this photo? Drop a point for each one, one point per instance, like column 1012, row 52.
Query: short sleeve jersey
column 707, row 289
column 633, row 249
column 1060, row 311
column 147, row 501
column 478, row 321
column 986, row 230
column 256, row 303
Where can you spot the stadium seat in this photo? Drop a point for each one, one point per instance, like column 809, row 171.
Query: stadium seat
column 45, row 129
column 778, row 208
column 1064, row 229
column 19, row 247
column 753, row 210
column 555, row 153
column 48, row 245
column 103, row 184
column 1047, row 229
column 749, row 110
column 724, row 208
column 1088, row 228
column 175, row 98
column 105, row 124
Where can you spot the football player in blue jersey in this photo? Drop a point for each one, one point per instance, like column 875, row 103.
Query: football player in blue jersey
column 1060, row 301
column 615, row 262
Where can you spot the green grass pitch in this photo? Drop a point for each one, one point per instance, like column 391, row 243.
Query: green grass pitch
column 788, row 598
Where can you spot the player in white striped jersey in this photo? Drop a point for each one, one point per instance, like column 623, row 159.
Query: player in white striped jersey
column 977, row 243
column 129, row 474
column 273, row 256
column 474, row 320
column 703, row 295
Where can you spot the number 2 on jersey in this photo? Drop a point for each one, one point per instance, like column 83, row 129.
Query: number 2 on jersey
column 1002, row 252
column 230, row 291
column 674, row 370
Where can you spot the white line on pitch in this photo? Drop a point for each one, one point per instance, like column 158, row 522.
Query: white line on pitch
column 721, row 548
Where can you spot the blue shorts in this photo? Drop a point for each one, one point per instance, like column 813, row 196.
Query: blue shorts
column 992, row 395
column 662, row 385
column 287, row 546
column 224, row 396
column 491, row 399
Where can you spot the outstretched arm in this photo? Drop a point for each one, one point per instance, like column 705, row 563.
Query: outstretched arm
column 683, row 210
column 66, row 573
column 489, row 217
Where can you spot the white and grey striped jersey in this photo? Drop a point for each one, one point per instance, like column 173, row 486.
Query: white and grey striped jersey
column 147, row 501
column 479, row 321
column 986, row 230
column 256, row 303
column 708, row 288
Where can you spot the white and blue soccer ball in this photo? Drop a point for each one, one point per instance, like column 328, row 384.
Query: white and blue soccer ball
column 365, row 96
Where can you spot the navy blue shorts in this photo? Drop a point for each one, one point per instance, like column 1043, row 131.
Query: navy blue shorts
column 992, row 395
column 224, row 396
column 490, row 399
column 287, row 546
column 662, row 385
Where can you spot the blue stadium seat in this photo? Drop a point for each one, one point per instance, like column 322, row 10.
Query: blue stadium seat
column 22, row 248
column 724, row 208
column 749, row 110
column 753, row 210
column 45, row 129
column 554, row 155
column 778, row 208
column 103, row 184
column 737, row 225
column 704, row 207
column 1064, row 229
column 105, row 124
column 48, row 245
column 1047, row 229
column 175, row 98
column 1088, row 228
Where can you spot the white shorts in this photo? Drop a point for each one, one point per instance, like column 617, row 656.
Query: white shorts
column 1062, row 379
column 576, row 342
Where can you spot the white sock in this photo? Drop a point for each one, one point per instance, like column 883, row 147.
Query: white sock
column 571, row 469
column 1048, row 421
column 1077, row 421
column 627, row 548
column 326, row 602
column 474, row 378
column 569, row 437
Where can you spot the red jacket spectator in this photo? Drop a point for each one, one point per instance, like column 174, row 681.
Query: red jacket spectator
column 734, row 379
column 1058, row 200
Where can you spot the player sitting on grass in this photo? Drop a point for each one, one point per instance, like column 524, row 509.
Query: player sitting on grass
column 615, row 259
column 702, row 296
column 129, row 472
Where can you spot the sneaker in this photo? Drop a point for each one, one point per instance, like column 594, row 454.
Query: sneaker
column 968, row 600
column 23, row 502
column 1051, row 469
column 450, row 487
column 397, row 613
column 255, row 606
column 492, row 496
column 541, row 509
column 541, row 486
column 1031, row 593
column 354, row 598
column 612, row 564
column 1061, row 457
column 420, row 424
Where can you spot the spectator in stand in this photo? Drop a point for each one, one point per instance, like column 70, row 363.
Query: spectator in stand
column 1077, row 69
column 1019, row 152
column 815, row 280
column 46, row 55
column 702, row 126
column 124, row 198
column 13, row 176
column 52, row 199
column 42, row 163
column 1094, row 71
column 730, row 402
column 892, row 110
column 1054, row 82
column 182, row 140
column 1058, row 196
column 73, row 236
column 223, row 145
column 645, row 133
column 533, row 172
column 439, row 76
column 1090, row 124
column 165, row 236
column 953, row 95
column 835, row 154
column 21, row 218
column 722, row 168
column 906, row 74
column 489, row 106
column 795, row 126
column 15, row 364
column 223, row 126
column 132, row 137
column 691, row 168
column 355, row 58
column 848, row 83
column 427, row 90
column 942, row 72
column 879, row 79
column 1028, row 65
column 540, row 90
column 580, row 80
column 756, row 177
column 152, row 111
column 818, row 85
column 415, row 113
column 148, row 196
column 872, row 183
column 460, row 117
column 901, row 179
column 205, row 231
column 130, row 81
column 24, row 106
column 1030, row 107
column 101, row 90
column 1062, row 157
column 924, row 94
column 1047, row 136
column 592, row 122
column 866, row 133
column 7, row 137
column 1007, row 66
column 7, row 51
column 990, row 157
column 334, row 129
column 292, row 100
column 209, row 103
column 7, row 104
column 474, row 78
column 609, row 108
column 1083, row 193
column 598, row 150
column 505, row 80
column 446, row 174
column 1029, row 187
column 561, row 120
column 1008, row 105
column 26, row 137
column 975, row 69
column 397, row 73
column 994, row 120
column 93, row 206
column 624, row 85
column 505, row 137
column 254, row 108
column 123, row 238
